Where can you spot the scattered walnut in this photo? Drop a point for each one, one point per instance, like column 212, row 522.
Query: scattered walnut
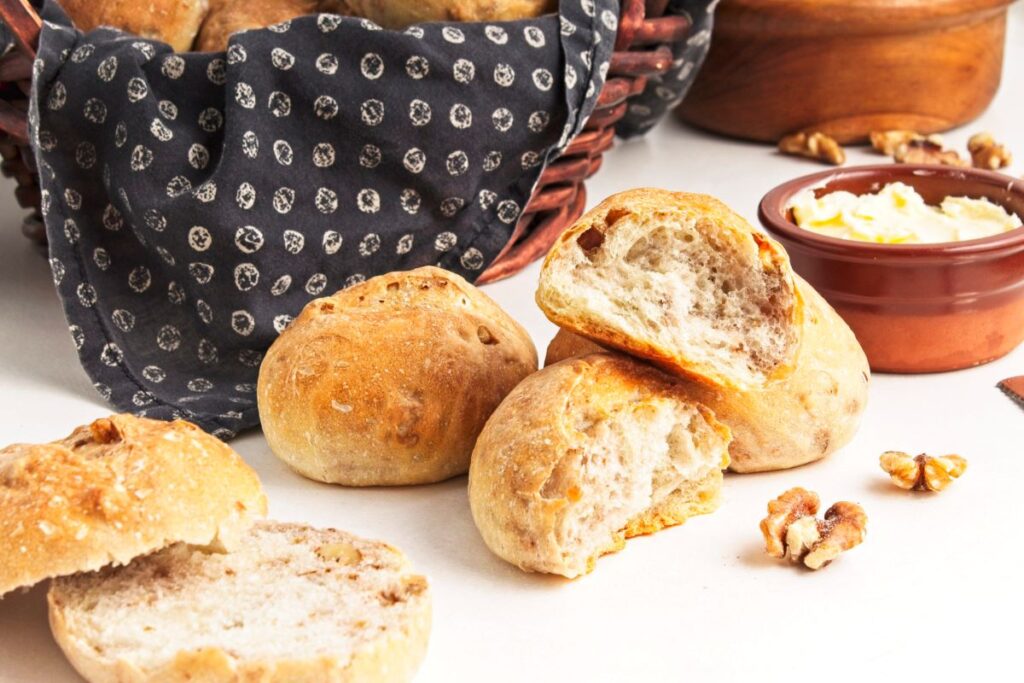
column 927, row 152
column 792, row 530
column 888, row 141
column 988, row 154
column 923, row 472
column 813, row 146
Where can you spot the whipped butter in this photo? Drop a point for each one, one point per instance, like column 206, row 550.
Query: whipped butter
column 897, row 214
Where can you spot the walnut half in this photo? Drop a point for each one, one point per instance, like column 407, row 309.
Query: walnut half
column 792, row 530
column 922, row 472
column 927, row 152
column 988, row 154
column 813, row 146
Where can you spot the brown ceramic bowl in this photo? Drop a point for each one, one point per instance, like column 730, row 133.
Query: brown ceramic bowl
column 914, row 307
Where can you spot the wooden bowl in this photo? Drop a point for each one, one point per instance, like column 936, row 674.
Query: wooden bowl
column 847, row 67
column 914, row 307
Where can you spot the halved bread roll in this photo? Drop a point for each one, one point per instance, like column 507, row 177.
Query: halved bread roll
column 678, row 279
column 118, row 488
column 587, row 453
column 807, row 416
column 292, row 604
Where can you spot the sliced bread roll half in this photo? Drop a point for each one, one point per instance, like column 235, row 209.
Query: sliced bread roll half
column 807, row 416
column 678, row 279
column 120, row 487
column 587, row 453
column 293, row 604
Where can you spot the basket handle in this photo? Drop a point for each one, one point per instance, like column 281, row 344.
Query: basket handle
column 23, row 22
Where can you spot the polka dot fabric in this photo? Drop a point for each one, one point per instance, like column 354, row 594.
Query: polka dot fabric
column 195, row 202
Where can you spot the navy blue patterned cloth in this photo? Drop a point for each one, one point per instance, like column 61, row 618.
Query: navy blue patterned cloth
column 195, row 202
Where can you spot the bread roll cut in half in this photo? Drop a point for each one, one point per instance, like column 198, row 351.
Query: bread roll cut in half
column 175, row 22
column 807, row 416
column 118, row 488
column 587, row 453
column 678, row 279
column 292, row 604
column 390, row 381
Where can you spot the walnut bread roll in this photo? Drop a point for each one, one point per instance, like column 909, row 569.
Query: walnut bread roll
column 293, row 604
column 175, row 22
column 587, row 453
column 678, row 279
column 118, row 488
column 389, row 382
column 807, row 416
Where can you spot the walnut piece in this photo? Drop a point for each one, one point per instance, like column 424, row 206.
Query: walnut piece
column 888, row 141
column 922, row 472
column 792, row 530
column 813, row 146
column 927, row 152
column 988, row 154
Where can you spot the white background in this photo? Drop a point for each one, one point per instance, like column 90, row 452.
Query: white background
column 935, row 590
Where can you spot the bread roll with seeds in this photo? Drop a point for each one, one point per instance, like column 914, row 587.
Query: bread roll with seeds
column 389, row 382
column 678, row 279
column 807, row 416
column 118, row 488
column 292, row 604
column 587, row 453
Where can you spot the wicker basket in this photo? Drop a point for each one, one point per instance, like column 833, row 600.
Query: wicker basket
column 642, row 49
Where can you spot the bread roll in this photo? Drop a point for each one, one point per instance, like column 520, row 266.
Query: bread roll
column 292, row 604
column 230, row 16
column 118, row 488
column 175, row 22
column 402, row 13
column 678, row 279
column 390, row 381
column 587, row 453
column 808, row 416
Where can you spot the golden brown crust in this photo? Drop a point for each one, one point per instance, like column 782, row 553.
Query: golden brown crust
column 175, row 22
column 402, row 13
column 806, row 417
column 116, row 489
column 230, row 16
column 524, row 476
column 390, row 381
column 683, row 206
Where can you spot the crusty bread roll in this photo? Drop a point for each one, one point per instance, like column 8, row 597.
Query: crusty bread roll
column 230, row 16
column 292, row 604
column 807, row 416
column 175, row 22
column 678, row 279
column 402, row 13
column 113, row 490
column 587, row 453
column 390, row 381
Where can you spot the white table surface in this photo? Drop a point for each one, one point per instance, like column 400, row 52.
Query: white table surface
column 936, row 589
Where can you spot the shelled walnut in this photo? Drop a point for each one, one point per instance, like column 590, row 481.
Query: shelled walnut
column 922, row 472
column 888, row 141
column 927, row 151
column 813, row 146
column 988, row 154
column 792, row 530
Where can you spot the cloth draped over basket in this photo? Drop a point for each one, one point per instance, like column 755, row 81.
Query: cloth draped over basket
column 195, row 202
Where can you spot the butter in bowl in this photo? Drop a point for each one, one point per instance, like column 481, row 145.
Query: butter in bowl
column 925, row 263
